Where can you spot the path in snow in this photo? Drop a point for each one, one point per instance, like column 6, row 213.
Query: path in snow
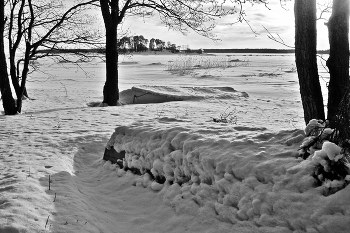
column 94, row 199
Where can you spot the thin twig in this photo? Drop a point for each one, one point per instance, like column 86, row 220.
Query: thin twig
column 47, row 220
column 280, row 41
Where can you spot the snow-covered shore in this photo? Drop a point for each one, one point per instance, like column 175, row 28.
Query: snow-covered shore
column 242, row 177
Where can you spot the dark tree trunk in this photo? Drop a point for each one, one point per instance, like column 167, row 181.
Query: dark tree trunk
column 306, row 60
column 110, row 89
column 14, row 78
column 5, row 89
column 111, row 18
column 338, row 61
column 24, row 78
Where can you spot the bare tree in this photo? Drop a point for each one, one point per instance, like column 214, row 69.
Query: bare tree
column 35, row 24
column 180, row 15
column 338, row 61
column 5, row 89
column 306, row 60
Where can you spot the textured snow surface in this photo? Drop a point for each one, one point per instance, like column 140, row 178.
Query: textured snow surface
column 254, row 184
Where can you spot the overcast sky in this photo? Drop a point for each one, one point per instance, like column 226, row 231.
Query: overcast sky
column 276, row 20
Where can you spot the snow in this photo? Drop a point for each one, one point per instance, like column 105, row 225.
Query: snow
column 220, row 177
column 331, row 149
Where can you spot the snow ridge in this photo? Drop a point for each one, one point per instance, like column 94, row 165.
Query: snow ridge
column 187, row 93
column 266, row 191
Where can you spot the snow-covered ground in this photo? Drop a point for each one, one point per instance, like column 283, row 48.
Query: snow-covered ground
column 242, row 177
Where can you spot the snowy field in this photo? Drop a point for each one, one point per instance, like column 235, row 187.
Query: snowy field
column 237, row 176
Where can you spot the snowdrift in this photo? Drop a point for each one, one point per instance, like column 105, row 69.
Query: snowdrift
column 249, row 183
column 158, row 94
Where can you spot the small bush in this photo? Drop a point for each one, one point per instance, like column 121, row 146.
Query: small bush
column 187, row 64
column 332, row 162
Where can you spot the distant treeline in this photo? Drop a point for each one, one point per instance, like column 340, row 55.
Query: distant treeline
column 102, row 50
column 257, row 51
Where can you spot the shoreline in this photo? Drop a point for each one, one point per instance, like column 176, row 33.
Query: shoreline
column 193, row 51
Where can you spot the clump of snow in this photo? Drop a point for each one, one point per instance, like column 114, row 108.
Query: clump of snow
column 241, row 187
column 316, row 132
column 313, row 127
column 332, row 151
column 331, row 161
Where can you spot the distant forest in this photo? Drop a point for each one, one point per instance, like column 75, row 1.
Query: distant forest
column 176, row 49
column 128, row 44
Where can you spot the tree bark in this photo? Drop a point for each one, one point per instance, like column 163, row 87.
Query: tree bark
column 306, row 60
column 25, row 71
column 111, row 88
column 338, row 61
column 5, row 89
column 111, row 18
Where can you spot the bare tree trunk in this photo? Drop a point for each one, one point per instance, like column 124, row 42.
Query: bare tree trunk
column 306, row 60
column 24, row 78
column 5, row 89
column 111, row 18
column 338, row 61
column 110, row 89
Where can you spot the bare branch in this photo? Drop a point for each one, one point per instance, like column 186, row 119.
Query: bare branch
column 61, row 21
column 281, row 41
column 324, row 8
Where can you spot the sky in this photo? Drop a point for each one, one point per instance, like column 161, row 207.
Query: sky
column 278, row 20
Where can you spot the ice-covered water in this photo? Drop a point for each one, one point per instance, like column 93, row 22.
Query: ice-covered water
column 259, row 75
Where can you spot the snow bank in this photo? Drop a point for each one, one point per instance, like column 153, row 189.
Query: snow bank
column 159, row 94
column 242, row 182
